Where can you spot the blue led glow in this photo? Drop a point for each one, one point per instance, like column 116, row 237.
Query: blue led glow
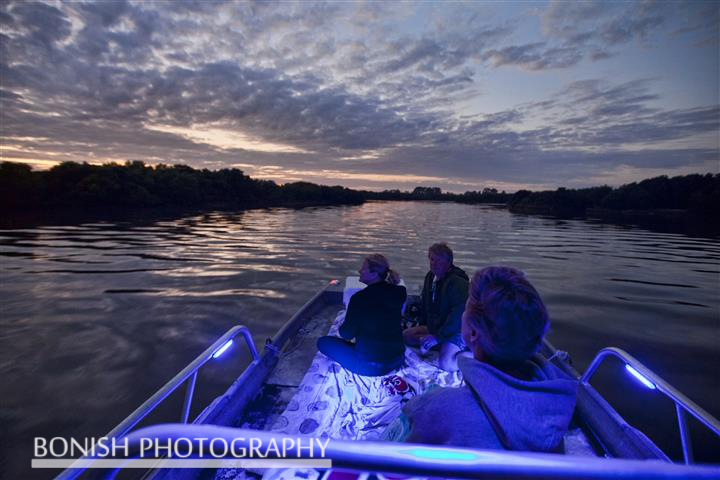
column 640, row 377
column 222, row 349
column 438, row 454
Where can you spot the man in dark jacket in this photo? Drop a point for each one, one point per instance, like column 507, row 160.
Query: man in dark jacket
column 444, row 293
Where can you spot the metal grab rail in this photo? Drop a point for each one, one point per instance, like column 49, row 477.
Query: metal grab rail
column 189, row 372
column 683, row 404
column 407, row 458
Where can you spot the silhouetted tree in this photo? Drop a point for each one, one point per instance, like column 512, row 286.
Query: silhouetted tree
column 19, row 187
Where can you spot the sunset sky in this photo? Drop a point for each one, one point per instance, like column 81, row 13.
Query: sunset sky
column 459, row 95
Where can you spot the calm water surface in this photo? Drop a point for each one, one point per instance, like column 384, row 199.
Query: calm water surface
column 96, row 317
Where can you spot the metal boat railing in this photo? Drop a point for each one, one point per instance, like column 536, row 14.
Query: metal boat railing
column 189, row 374
column 683, row 405
column 407, row 458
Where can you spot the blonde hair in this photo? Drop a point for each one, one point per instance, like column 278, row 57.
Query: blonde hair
column 377, row 263
column 509, row 312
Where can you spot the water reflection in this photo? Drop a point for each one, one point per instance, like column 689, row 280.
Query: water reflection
column 97, row 316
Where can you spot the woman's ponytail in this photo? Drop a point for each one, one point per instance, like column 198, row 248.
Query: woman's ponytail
column 379, row 264
column 393, row 276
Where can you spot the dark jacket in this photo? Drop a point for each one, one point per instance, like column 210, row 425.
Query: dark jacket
column 496, row 410
column 443, row 316
column 373, row 319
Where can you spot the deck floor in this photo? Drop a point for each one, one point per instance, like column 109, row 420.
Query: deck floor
column 283, row 382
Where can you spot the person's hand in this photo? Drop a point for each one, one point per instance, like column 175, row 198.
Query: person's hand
column 426, row 343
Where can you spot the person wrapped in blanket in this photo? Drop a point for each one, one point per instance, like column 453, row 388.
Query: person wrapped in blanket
column 513, row 399
column 443, row 296
column 374, row 320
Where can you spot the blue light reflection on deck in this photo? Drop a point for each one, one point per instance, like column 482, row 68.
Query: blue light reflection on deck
column 439, row 454
column 640, row 377
column 222, row 349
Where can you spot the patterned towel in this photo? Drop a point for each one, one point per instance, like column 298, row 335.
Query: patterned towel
column 333, row 402
column 336, row 403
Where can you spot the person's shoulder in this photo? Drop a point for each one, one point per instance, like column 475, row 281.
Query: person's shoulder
column 400, row 292
column 457, row 276
column 362, row 295
column 459, row 272
column 398, row 288
column 392, row 290
column 436, row 400
column 429, row 397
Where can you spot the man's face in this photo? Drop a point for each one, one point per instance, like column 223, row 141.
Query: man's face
column 439, row 264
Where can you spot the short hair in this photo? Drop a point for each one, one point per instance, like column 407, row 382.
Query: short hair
column 441, row 249
column 377, row 263
column 509, row 313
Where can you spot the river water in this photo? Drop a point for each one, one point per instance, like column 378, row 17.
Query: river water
column 97, row 316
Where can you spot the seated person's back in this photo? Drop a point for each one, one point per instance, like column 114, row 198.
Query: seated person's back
column 514, row 398
column 374, row 320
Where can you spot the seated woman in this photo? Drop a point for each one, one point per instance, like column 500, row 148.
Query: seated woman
column 373, row 319
column 514, row 399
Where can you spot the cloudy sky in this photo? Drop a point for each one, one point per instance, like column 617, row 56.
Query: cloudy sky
column 460, row 95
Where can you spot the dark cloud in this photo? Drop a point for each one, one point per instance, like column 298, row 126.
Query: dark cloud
column 422, row 51
column 592, row 29
column 516, row 55
column 118, row 33
column 596, row 55
column 438, row 54
column 592, row 112
column 608, row 24
column 535, row 56
column 623, row 30
column 602, row 100
column 45, row 24
column 104, row 14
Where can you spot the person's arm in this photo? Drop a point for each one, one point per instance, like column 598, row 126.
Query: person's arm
column 403, row 295
column 348, row 330
column 457, row 293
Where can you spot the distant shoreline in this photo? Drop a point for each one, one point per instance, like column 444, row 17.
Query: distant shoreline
column 94, row 190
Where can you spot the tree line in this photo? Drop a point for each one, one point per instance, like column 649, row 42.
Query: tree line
column 134, row 185
column 486, row 195
column 696, row 193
